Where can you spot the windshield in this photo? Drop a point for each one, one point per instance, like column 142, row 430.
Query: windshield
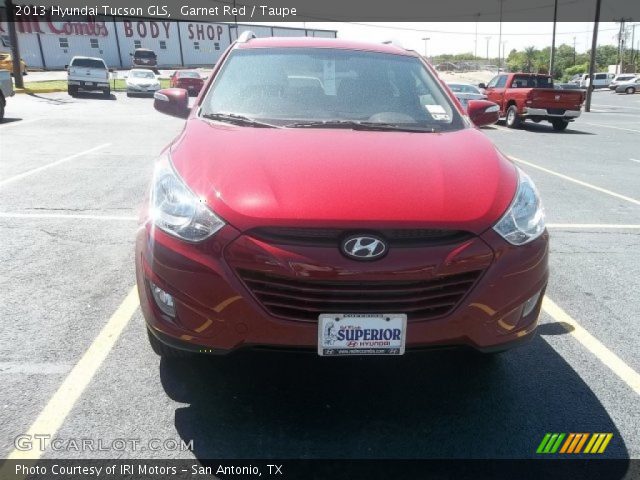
column 88, row 63
column 289, row 85
column 142, row 74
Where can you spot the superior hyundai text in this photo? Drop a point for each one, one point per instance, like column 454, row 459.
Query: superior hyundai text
column 335, row 197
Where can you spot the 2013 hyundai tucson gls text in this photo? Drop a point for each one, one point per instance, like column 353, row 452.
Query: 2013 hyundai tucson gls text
column 334, row 196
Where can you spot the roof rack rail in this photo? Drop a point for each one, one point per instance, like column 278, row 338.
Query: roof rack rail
column 246, row 36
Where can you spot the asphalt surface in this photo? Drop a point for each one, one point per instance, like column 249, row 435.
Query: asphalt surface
column 63, row 273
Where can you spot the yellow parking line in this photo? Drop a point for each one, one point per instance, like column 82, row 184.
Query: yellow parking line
column 63, row 400
column 49, row 165
column 576, row 181
column 627, row 374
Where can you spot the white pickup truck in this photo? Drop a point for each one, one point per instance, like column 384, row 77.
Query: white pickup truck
column 87, row 73
column 6, row 90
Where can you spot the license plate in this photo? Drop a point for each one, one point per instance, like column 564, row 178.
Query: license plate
column 361, row 334
column 89, row 84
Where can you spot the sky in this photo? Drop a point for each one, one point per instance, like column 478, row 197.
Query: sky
column 446, row 37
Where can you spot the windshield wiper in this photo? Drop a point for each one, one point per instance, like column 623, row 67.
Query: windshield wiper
column 361, row 125
column 236, row 119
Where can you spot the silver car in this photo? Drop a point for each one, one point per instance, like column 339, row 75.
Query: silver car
column 632, row 86
column 465, row 92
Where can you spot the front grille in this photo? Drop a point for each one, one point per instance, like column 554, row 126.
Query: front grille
column 305, row 300
column 416, row 237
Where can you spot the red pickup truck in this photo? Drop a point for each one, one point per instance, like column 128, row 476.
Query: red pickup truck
column 531, row 96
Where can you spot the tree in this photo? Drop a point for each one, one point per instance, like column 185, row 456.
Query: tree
column 529, row 59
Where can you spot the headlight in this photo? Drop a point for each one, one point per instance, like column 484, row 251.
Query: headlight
column 523, row 221
column 176, row 210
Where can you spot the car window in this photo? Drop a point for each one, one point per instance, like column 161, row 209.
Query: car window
column 492, row 82
column 600, row 76
column 288, row 85
column 144, row 54
column 502, row 81
column 88, row 63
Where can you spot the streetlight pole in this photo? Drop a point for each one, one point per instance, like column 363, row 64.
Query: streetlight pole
column 487, row 39
column 504, row 47
column 426, row 39
column 574, row 51
column 15, row 49
column 500, row 38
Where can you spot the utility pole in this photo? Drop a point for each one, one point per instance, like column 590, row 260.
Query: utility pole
column 553, row 37
column 621, row 46
column 487, row 39
column 504, row 57
column 15, row 50
column 592, row 62
column 574, row 51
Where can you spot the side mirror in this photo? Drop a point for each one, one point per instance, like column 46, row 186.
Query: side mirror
column 111, row 70
column 482, row 85
column 483, row 112
column 66, row 67
column 172, row 101
column 131, row 54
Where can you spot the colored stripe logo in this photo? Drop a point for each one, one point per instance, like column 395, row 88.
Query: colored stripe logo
column 574, row 443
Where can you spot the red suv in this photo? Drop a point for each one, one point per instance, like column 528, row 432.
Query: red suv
column 333, row 196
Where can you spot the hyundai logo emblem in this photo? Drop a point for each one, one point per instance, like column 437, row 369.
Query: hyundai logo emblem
column 364, row 247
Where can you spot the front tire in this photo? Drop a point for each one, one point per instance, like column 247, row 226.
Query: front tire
column 164, row 350
column 513, row 119
column 1, row 109
column 559, row 125
column 72, row 91
column 630, row 90
column 106, row 93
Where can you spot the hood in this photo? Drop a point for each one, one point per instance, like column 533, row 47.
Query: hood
column 344, row 178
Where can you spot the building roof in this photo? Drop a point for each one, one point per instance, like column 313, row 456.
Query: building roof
column 319, row 42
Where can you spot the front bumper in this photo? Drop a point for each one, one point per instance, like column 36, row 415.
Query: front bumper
column 137, row 89
column 217, row 313
column 85, row 85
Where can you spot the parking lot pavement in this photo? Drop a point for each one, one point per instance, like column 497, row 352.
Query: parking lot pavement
column 75, row 172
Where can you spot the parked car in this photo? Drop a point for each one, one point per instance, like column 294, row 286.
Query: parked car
column 359, row 218
column 89, row 74
column 190, row 80
column 532, row 96
column 6, row 63
column 141, row 81
column 144, row 57
column 6, row 90
column 600, row 80
column 446, row 67
column 465, row 92
column 622, row 78
column 629, row 87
